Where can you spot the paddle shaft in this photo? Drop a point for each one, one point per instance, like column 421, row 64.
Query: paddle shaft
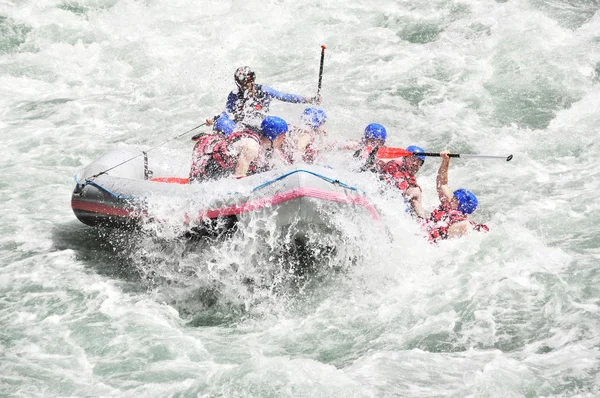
column 195, row 137
column 321, row 69
column 458, row 155
column 390, row 153
column 189, row 131
column 137, row 156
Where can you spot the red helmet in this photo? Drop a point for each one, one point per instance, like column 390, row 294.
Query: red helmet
column 243, row 75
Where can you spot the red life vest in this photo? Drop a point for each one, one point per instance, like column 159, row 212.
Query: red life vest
column 245, row 133
column 395, row 174
column 441, row 219
column 210, row 159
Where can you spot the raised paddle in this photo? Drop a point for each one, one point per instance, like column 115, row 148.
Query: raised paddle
column 321, row 69
column 391, row 153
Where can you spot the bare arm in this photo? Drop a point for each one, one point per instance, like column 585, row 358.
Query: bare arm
column 413, row 194
column 459, row 229
column 444, row 193
column 304, row 140
column 248, row 151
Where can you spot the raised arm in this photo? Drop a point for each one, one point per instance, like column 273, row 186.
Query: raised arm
column 444, row 193
column 413, row 195
column 285, row 97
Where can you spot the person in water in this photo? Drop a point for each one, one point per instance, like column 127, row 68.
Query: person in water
column 305, row 138
column 210, row 156
column 401, row 174
column 249, row 103
column 259, row 152
column 450, row 219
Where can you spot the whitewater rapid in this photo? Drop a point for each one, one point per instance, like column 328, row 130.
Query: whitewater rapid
column 511, row 313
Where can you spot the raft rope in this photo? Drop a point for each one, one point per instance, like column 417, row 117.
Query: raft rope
column 94, row 183
column 145, row 154
column 329, row 180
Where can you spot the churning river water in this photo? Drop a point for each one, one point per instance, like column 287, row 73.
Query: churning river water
column 511, row 313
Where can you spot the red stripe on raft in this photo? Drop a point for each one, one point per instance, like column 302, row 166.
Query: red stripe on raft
column 171, row 180
column 102, row 209
column 289, row 195
column 238, row 209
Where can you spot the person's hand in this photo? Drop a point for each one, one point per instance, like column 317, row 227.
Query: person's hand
column 444, row 155
column 316, row 100
column 210, row 122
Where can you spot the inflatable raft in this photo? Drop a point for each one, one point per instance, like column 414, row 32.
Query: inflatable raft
column 125, row 189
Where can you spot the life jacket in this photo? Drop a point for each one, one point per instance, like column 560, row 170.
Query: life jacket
column 243, row 133
column 395, row 174
column 441, row 219
column 258, row 165
column 210, row 159
column 250, row 110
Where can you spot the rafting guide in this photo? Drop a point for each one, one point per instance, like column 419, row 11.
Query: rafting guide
column 249, row 103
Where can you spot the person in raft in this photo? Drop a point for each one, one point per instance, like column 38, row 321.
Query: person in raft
column 304, row 139
column 249, row 103
column 401, row 174
column 374, row 136
column 450, row 219
column 259, row 152
column 210, row 156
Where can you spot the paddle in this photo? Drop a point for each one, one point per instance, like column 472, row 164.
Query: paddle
column 321, row 69
column 390, row 153
column 195, row 137
column 144, row 153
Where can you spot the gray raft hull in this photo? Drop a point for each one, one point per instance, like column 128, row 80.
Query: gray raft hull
column 293, row 198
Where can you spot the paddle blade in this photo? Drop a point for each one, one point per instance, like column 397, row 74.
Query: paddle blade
column 392, row 153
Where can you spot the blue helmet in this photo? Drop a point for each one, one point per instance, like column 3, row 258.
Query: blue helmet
column 273, row 126
column 225, row 125
column 416, row 149
column 375, row 131
column 314, row 117
column 467, row 201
